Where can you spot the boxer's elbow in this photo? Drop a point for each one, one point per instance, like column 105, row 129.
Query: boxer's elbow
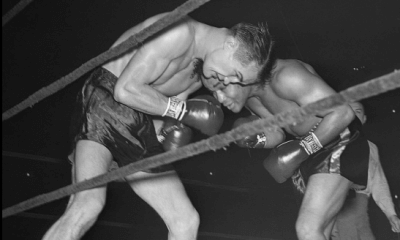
column 346, row 114
column 342, row 116
column 123, row 93
column 119, row 92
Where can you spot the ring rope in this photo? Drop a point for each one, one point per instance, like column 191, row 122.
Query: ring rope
column 367, row 89
column 184, row 180
column 120, row 225
column 14, row 11
column 31, row 157
column 131, row 42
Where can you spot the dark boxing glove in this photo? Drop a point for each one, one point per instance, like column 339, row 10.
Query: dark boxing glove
column 202, row 112
column 254, row 141
column 174, row 134
column 287, row 157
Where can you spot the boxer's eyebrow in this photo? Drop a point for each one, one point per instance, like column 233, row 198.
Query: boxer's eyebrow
column 217, row 84
column 236, row 74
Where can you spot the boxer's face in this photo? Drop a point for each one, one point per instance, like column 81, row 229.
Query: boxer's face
column 228, row 80
column 359, row 111
column 232, row 96
column 221, row 65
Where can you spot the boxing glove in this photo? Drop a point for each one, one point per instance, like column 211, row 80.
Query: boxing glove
column 284, row 159
column 202, row 112
column 174, row 134
column 254, row 141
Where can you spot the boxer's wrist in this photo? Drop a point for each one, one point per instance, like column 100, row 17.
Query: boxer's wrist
column 175, row 108
column 311, row 144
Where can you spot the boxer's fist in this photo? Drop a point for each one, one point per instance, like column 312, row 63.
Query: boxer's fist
column 202, row 112
column 174, row 134
column 254, row 141
column 287, row 157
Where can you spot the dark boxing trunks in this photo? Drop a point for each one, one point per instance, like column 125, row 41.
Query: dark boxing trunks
column 347, row 156
column 128, row 134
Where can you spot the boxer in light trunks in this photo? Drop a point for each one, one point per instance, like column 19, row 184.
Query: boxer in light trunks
column 323, row 145
column 119, row 100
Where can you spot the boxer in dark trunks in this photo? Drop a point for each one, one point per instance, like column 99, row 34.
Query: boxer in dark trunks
column 322, row 144
column 352, row 221
column 127, row 133
column 344, row 156
column 123, row 96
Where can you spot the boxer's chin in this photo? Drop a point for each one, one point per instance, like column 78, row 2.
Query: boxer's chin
column 234, row 108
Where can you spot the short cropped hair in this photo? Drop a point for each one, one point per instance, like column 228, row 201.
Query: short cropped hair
column 255, row 44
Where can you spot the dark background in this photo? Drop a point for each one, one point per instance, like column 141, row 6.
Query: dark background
column 347, row 42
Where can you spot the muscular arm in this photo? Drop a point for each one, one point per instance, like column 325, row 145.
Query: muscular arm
column 147, row 65
column 275, row 135
column 298, row 84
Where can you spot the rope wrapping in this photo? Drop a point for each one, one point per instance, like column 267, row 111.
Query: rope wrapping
column 368, row 89
column 131, row 42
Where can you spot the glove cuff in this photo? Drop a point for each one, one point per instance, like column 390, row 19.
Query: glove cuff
column 161, row 137
column 311, row 144
column 175, row 108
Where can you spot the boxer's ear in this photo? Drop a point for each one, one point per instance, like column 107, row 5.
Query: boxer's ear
column 364, row 120
column 231, row 43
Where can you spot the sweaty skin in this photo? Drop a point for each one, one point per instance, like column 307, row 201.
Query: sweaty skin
column 164, row 66
column 156, row 70
column 295, row 84
column 112, row 119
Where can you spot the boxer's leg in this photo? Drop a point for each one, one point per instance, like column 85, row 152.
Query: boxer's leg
column 323, row 199
column 166, row 194
column 91, row 159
